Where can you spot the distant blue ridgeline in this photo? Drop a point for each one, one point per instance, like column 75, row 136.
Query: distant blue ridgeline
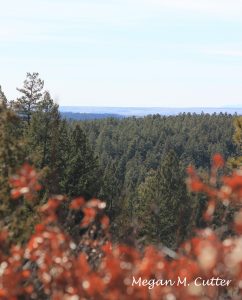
column 95, row 112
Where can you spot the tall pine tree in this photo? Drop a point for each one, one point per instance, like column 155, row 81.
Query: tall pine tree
column 163, row 206
column 42, row 130
column 31, row 94
column 81, row 176
column 3, row 99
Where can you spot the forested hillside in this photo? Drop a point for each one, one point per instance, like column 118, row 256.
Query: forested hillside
column 158, row 218
column 135, row 152
column 137, row 165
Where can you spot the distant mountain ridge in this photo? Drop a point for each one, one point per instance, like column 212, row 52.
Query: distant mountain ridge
column 90, row 112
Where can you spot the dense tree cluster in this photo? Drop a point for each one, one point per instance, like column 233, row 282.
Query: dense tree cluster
column 136, row 154
column 136, row 164
column 32, row 130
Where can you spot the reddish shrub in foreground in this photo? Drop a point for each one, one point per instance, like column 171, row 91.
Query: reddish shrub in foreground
column 52, row 266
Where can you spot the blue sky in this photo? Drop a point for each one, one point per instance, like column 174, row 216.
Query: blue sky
column 125, row 52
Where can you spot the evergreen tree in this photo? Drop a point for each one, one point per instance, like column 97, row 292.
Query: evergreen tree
column 174, row 204
column 11, row 146
column 48, row 143
column 237, row 138
column 148, row 208
column 81, row 176
column 165, row 203
column 31, row 94
column 3, row 99
column 60, row 151
column 42, row 131
column 15, row 216
column 109, row 190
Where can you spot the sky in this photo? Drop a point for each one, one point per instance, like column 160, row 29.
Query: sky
column 146, row 53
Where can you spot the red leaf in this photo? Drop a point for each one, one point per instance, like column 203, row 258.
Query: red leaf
column 218, row 161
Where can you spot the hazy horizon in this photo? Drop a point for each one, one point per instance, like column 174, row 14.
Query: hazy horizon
column 144, row 111
column 166, row 107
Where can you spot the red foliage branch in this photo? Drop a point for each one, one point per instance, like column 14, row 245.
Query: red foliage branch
column 123, row 273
